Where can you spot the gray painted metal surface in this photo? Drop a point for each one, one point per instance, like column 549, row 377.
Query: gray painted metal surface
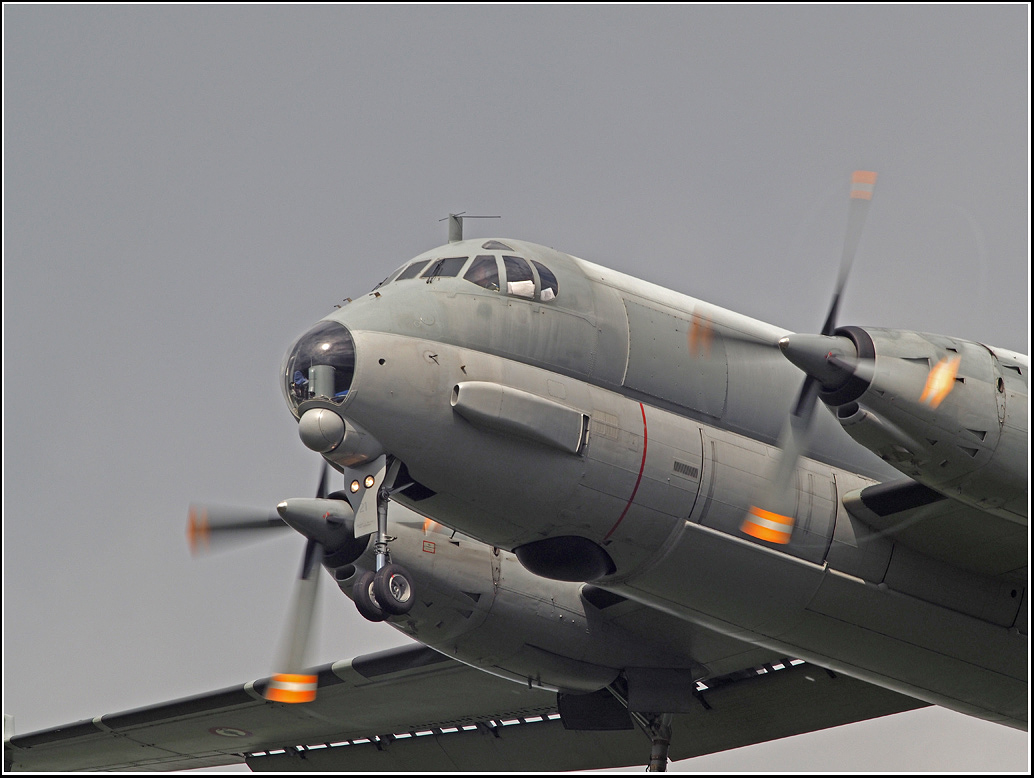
column 684, row 436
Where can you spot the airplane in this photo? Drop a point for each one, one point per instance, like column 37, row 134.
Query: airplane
column 659, row 469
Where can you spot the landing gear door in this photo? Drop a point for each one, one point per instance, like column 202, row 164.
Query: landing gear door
column 368, row 478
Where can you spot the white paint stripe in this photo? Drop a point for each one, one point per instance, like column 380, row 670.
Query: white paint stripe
column 775, row 526
column 289, row 686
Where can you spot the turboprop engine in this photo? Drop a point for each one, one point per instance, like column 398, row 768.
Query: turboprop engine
column 949, row 413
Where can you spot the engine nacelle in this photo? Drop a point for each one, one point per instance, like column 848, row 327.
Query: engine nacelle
column 949, row 413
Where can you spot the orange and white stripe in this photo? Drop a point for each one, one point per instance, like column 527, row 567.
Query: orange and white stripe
column 292, row 687
column 766, row 525
column 863, row 182
column 941, row 381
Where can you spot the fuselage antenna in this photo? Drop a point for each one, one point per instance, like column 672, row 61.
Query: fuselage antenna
column 456, row 224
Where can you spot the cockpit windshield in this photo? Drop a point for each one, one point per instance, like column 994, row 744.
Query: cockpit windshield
column 320, row 364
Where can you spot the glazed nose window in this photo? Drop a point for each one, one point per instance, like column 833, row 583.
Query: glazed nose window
column 320, row 364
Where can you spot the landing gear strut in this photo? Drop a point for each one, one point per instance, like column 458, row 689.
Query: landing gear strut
column 389, row 591
column 659, row 728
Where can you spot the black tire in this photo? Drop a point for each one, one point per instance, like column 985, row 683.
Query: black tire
column 393, row 588
column 365, row 600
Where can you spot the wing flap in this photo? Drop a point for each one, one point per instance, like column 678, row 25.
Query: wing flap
column 741, row 709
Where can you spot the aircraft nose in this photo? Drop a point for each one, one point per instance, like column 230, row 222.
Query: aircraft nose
column 321, row 364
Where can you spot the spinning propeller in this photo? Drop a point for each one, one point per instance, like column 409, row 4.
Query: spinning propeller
column 327, row 523
column 829, row 362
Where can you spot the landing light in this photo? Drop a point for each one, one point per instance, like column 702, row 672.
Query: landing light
column 354, row 486
column 369, row 481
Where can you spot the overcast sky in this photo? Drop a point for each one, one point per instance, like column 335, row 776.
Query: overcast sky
column 187, row 189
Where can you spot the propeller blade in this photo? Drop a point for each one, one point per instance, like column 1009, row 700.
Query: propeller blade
column 825, row 361
column 321, row 490
column 212, row 526
column 293, row 684
column 771, row 516
column 322, row 521
column 863, row 183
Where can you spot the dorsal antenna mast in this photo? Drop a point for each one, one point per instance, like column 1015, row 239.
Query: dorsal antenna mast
column 456, row 224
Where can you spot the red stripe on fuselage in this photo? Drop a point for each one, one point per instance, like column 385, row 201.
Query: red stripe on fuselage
column 642, row 466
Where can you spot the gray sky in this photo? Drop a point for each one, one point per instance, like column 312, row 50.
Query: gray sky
column 186, row 189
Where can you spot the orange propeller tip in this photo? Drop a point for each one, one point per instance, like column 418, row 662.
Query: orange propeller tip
column 197, row 530
column 292, row 688
column 863, row 182
column 767, row 525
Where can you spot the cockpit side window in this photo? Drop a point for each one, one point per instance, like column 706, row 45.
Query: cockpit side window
column 520, row 280
column 484, row 272
column 413, row 270
column 390, row 278
column 445, row 268
column 550, row 287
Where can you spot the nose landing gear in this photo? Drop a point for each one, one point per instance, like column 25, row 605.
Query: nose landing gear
column 393, row 589
column 390, row 590
column 365, row 600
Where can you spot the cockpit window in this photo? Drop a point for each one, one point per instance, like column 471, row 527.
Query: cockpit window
column 519, row 278
column 445, row 268
column 320, row 364
column 413, row 270
column 550, row 287
column 484, row 272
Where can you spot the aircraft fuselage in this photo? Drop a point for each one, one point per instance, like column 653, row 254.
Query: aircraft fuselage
column 610, row 430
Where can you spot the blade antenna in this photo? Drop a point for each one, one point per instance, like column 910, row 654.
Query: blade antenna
column 456, row 224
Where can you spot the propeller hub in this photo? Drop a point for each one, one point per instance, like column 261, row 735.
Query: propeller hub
column 329, row 522
column 821, row 357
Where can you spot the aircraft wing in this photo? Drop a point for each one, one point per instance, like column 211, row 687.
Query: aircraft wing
column 412, row 708
column 942, row 528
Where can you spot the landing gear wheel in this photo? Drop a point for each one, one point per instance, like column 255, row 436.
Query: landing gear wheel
column 393, row 588
column 365, row 600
